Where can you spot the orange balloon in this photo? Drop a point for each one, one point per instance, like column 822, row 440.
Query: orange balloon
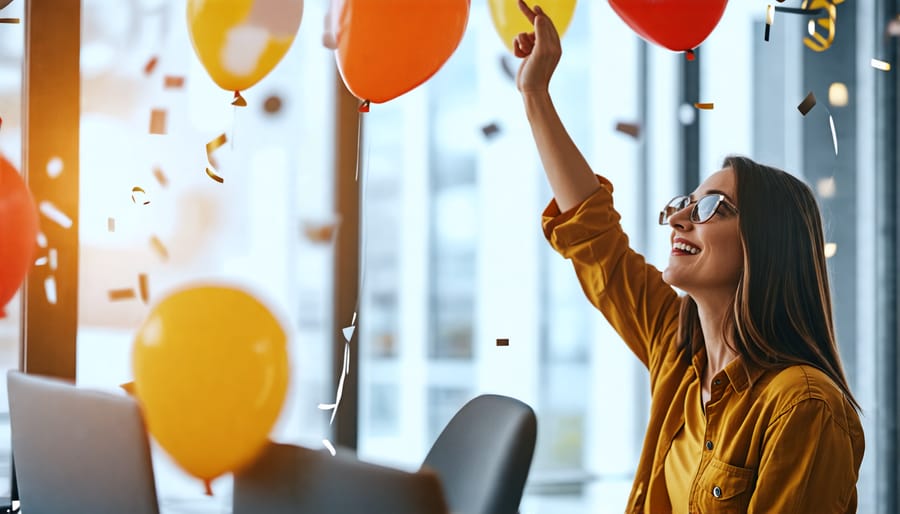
column 388, row 47
column 18, row 231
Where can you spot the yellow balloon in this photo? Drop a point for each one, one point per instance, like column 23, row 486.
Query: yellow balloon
column 240, row 41
column 509, row 20
column 211, row 373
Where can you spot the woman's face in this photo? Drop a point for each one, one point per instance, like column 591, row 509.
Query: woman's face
column 711, row 264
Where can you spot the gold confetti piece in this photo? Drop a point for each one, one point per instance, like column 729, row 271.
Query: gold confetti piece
column 214, row 145
column 212, row 175
column 52, row 258
column 502, row 342
column 151, row 65
column 173, row 82
column 159, row 248
column 55, row 215
column 631, row 129
column 10, row 20
column 111, row 224
column 143, row 287
column 50, row 289
column 238, row 100
column 816, row 41
column 329, row 446
column 706, row 106
column 830, row 250
column 807, row 104
column 116, row 295
column 158, row 121
column 833, row 134
column 160, row 177
column 880, row 65
column 138, row 189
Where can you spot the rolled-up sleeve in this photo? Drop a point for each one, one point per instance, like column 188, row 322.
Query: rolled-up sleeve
column 617, row 280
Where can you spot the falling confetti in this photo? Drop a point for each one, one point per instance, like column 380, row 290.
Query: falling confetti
column 502, row 342
column 816, row 41
column 173, row 82
column 10, row 20
column 139, row 191
column 631, row 129
column 160, row 177
column 158, row 121
column 55, row 215
column 807, row 104
column 211, row 147
column 490, row 130
column 50, row 290
column 706, row 106
column 111, row 224
column 151, row 65
column 143, row 287
column 833, row 133
column 116, row 295
column 159, row 248
column 880, row 65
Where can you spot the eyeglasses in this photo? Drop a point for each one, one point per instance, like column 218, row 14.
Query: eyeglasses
column 704, row 209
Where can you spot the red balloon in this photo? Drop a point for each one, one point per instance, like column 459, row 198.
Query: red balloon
column 18, row 231
column 385, row 48
column 678, row 25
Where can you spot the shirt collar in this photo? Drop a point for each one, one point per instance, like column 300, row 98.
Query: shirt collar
column 740, row 373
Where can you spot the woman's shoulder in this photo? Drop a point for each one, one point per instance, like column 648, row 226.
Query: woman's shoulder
column 788, row 387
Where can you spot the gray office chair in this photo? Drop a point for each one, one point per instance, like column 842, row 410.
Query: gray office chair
column 484, row 454
column 288, row 479
column 78, row 451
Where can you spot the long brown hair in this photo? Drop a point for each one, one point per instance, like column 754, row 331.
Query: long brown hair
column 781, row 312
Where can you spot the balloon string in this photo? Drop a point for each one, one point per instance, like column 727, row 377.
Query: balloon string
column 208, row 487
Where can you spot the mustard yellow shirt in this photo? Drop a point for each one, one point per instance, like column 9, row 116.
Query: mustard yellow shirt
column 686, row 452
column 776, row 441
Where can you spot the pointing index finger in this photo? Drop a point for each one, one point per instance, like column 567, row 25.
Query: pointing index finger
column 526, row 11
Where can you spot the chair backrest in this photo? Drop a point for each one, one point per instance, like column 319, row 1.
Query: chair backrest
column 288, row 479
column 484, row 454
column 78, row 451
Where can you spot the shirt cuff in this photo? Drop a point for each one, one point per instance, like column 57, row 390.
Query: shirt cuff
column 552, row 218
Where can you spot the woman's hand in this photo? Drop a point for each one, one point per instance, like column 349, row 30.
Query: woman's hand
column 540, row 51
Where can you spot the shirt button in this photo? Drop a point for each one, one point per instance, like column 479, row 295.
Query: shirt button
column 709, row 445
column 717, row 382
column 717, row 492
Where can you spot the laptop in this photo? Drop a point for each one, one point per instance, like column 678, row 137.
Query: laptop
column 78, row 451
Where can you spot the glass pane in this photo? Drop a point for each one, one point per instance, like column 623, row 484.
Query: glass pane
column 11, row 52
column 148, row 110
column 468, row 191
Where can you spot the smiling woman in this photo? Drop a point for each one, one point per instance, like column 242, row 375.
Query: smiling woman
column 748, row 390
